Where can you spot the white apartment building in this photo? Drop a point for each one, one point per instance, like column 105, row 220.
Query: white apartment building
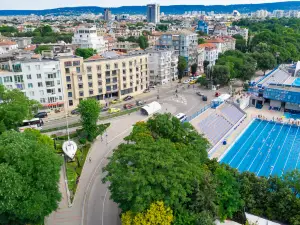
column 278, row 13
column 210, row 52
column 86, row 37
column 162, row 66
column 237, row 30
column 201, row 57
column 38, row 79
column 261, row 14
column 6, row 46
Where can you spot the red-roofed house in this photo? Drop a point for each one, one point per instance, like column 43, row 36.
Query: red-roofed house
column 6, row 46
column 210, row 52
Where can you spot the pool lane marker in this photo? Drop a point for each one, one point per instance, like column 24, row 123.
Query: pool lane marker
column 280, row 152
column 290, row 151
column 297, row 161
column 261, row 147
column 244, row 143
column 252, row 144
column 269, row 152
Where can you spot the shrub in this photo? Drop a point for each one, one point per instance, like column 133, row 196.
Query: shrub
column 82, row 140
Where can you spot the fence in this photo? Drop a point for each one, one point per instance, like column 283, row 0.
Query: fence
column 198, row 112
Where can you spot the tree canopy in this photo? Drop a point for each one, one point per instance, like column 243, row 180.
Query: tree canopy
column 14, row 108
column 85, row 52
column 182, row 66
column 41, row 48
column 265, row 61
column 29, row 175
column 143, row 42
column 89, row 110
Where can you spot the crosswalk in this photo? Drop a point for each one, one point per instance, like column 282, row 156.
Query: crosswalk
column 179, row 99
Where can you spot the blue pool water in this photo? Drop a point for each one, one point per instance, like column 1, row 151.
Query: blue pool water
column 296, row 82
column 266, row 148
column 293, row 116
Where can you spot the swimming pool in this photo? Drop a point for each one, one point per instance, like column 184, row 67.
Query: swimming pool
column 292, row 116
column 296, row 82
column 266, row 148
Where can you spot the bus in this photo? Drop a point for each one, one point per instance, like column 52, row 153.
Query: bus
column 35, row 123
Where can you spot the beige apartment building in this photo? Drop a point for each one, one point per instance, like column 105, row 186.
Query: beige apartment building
column 104, row 77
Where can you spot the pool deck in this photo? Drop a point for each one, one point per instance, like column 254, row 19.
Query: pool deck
column 252, row 113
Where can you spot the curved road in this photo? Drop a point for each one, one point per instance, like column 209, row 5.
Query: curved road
column 92, row 197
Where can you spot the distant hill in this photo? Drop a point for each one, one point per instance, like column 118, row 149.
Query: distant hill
column 172, row 9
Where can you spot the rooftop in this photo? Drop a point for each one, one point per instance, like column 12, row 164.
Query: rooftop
column 4, row 43
column 207, row 46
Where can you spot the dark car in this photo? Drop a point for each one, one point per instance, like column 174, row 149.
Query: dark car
column 128, row 106
column 199, row 93
column 139, row 103
column 204, row 98
column 127, row 98
column 41, row 115
column 75, row 112
column 104, row 109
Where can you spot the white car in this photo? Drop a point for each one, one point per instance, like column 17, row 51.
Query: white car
column 186, row 81
column 181, row 116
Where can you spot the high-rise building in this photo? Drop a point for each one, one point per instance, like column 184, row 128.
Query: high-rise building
column 107, row 14
column 153, row 13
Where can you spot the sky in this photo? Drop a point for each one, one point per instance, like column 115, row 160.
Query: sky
column 49, row 4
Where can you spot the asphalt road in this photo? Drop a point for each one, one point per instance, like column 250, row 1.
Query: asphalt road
column 92, row 204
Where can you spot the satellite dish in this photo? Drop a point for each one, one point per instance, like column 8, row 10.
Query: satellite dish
column 69, row 148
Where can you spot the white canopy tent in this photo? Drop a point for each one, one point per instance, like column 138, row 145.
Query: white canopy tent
column 151, row 108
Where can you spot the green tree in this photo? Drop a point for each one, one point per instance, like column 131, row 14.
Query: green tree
column 89, row 110
column 182, row 66
column 132, row 39
column 201, row 41
column 221, row 74
column 205, row 65
column 85, row 52
column 29, row 176
column 15, row 107
column 121, row 39
column 161, row 165
column 265, row 61
column 194, row 68
column 240, row 43
column 161, row 27
column 143, row 42
column 41, row 48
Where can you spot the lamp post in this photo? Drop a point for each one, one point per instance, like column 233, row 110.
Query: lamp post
column 277, row 54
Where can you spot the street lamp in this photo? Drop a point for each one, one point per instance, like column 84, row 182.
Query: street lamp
column 277, row 55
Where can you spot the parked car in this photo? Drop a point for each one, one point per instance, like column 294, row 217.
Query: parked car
column 115, row 101
column 138, row 103
column 204, row 98
column 104, row 109
column 128, row 106
column 186, row 81
column 127, row 98
column 146, row 90
column 152, row 86
column 41, row 115
column 181, row 116
column 113, row 110
column 199, row 93
column 75, row 112
column 217, row 94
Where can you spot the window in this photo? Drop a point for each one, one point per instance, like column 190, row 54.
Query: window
column 81, row 93
column 68, row 63
column 90, row 77
column 115, row 80
column 67, row 70
column 18, row 78
column 69, row 94
column 108, row 88
column 124, row 78
column 115, row 87
column 90, row 84
column 51, row 91
column 114, row 72
column 59, row 90
column 107, row 66
column 41, row 92
column 124, row 64
column 108, row 81
column 116, row 65
column 30, row 85
column 7, row 79
column 100, row 90
column 79, row 78
column 99, row 76
column 98, row 68
column 107, row 73
column 99, row 83
column 78, row 69
column 70, row 102
column 69, row 86
column 76, row 63
column 28, row 68
column 141, row 60
column 42, row 100
column 130, row 63
column 89, row 69
column 29, row 77
column 124, row 85
column 80, row 86
column 91, row 92
column 51, row 75
column 37, row 67
column 40, row 84
column 60, row 97
column 68, row 78
column 58, row 82
column 31, row 93
column 124, row 72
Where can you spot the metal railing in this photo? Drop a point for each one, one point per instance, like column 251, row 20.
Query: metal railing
column 198, row 112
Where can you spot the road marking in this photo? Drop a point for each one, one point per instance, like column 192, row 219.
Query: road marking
column 103, row 205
